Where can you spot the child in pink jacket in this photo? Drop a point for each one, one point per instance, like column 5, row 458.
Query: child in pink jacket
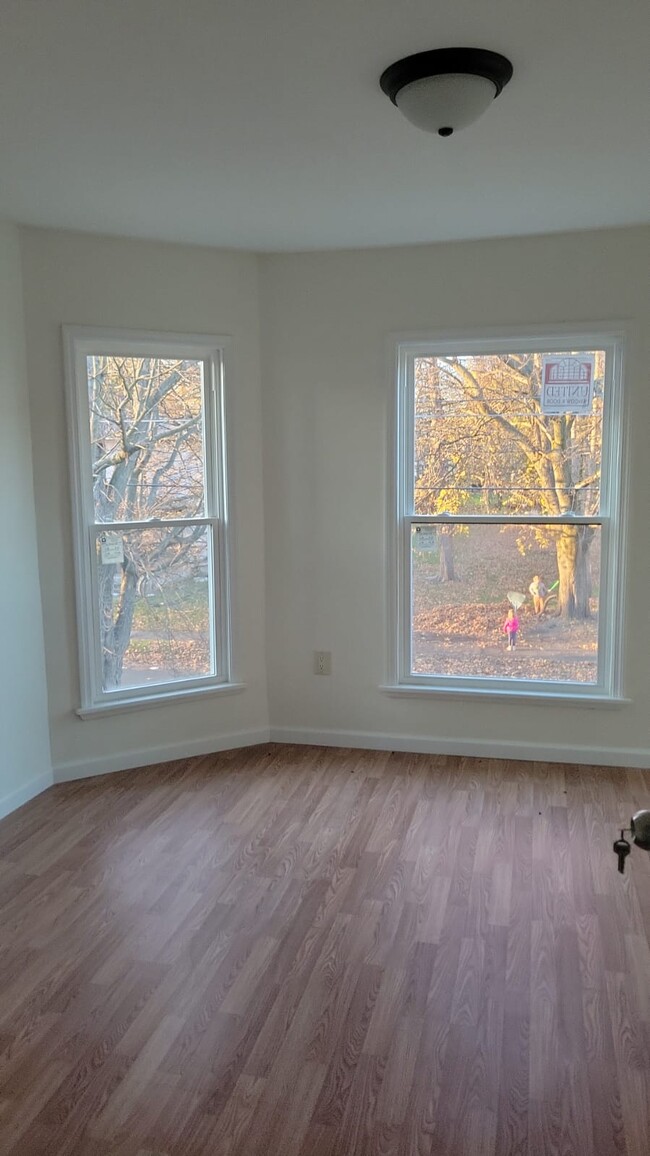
column 510, row 628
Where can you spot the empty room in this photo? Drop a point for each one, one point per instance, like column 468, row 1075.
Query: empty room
column 325, row 692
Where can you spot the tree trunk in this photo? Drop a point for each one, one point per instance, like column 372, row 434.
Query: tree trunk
column 116, row 632
column 572, row 548
column 583, row 572
column 105, row 581
column 447, row 572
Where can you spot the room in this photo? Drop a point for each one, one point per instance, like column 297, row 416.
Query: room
column 323, row 864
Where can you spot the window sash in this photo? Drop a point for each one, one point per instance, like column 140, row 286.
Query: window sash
column 212, row 423
column 612, row 481
column 607, row 624
column 563, row 341
column 215, row 541
column 79, row 343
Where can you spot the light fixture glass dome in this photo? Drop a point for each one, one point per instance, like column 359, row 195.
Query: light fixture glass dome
column 444, row 104
column 446, row 89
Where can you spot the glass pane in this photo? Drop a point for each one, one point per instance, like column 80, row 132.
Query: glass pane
column 465, row 580
column 154, row 605
column 146, row 431
column 508, row 433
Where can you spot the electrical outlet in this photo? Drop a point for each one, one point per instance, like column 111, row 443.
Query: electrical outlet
column 322, row 662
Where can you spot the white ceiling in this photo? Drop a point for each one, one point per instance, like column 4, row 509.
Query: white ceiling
column 260, row 124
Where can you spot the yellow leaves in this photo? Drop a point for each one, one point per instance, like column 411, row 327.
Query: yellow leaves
column 479, row 427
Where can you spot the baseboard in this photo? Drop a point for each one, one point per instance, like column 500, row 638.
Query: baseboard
column 127, row 760
column 477, row 748
column 368, row 740
column 15, row 799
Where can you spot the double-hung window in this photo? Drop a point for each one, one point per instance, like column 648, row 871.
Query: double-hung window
column 509, row 567
column 148, row 454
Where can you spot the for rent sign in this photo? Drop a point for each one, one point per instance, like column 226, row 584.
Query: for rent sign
column 568, row 383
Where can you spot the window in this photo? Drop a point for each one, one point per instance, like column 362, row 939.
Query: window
column 150, row 503
column 509, row 570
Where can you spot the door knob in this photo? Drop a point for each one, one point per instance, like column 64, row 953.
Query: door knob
column 640, row 828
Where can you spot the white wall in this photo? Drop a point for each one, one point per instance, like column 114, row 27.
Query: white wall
column 326, row 318
column 25, row 767
column 320, row 409
column 77, row 279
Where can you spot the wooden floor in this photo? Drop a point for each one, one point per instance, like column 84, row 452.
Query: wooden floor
column 308, row 952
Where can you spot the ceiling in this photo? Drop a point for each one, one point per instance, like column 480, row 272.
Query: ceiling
column 260, row 124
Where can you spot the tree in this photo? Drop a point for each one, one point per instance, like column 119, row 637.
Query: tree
column 436, row 470
column 147, row 461
column 483, row 444
column 447, row 564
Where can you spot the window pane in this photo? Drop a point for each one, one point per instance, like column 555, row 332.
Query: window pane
column 146, row 419
column 487, row 442
column 466, row 578
column 154, row 605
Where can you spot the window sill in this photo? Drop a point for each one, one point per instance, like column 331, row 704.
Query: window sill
column 148, row 700
column 542, row 698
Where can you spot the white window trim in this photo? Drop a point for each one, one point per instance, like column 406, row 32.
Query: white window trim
column 399, row 681
column 80, row 342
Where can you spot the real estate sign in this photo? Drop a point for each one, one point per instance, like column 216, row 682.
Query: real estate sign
column 568, row 383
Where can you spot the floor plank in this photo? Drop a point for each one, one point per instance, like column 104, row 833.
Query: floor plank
column 295, row 951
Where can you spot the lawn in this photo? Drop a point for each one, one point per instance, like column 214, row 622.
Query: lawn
column 171, row 631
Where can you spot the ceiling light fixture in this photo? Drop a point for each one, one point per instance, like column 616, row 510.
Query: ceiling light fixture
column 446, row 89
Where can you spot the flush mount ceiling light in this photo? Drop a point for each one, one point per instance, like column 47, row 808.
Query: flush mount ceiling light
column 446, row 89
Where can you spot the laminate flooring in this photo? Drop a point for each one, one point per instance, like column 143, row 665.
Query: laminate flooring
column 297, row 951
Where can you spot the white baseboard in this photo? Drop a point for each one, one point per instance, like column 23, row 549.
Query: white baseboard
column 127, row 760
column 368, row 740
column 34, row 787
column 477, row 748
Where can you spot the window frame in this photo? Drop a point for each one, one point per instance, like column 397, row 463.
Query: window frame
column 613, row 487
column 214, row 352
